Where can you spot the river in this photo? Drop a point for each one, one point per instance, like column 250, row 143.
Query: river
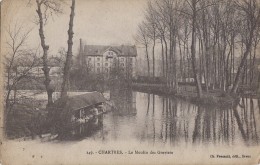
column 163, row 121
column 147, row 122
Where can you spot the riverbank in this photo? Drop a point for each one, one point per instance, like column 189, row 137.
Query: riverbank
column 211, row 98
column 27, row 120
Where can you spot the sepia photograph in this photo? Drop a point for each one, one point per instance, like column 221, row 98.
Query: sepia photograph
column 130, row 82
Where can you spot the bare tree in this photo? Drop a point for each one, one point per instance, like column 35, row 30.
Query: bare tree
column 250, row 12
column 194, row 7
column 143, row 39
column 18, row 63
column 162, row 30
column 152, row 30
column 45, row 8
column 64, row 87
column 220, row 27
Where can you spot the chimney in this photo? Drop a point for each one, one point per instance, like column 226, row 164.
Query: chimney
column 80, row 52
column 80, row 46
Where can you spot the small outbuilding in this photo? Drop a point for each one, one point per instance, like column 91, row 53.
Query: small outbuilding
column 77, row 109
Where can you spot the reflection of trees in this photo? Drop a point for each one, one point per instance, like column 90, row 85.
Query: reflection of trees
column 246, row 121
column 153, row 120
column 184, row 122
column 168, row 130
column 163, row 108
column 226, row 125
column 150, row 116
column 146, row 119
column 197, row 127
column 148, row 103
column 170, row 121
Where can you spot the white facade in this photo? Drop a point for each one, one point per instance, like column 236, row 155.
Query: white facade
column 37, row 71
column 107, row 60
column 104, row 64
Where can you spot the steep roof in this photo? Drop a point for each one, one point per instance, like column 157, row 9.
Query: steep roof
column 80, row 101
column 99, row 50
column 61, row 110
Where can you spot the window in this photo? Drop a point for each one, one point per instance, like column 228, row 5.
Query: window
column 106, row 64
column 89, row 59
column 98, row 70
column 122, row 59
column 98, row 59
column 106, row 70
column 122, row 64
column 98, row 64
column 131, row 59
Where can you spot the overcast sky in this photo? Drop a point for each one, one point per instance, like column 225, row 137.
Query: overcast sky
column 96, row 22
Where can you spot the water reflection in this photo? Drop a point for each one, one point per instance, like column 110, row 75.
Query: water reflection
column 188, row 123
column 125, row 101
column 154, row 119
column 160, row 120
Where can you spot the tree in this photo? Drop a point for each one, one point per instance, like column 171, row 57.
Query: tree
column 17, row 57
column 44, row 8
column 194, row 13
column 162, row 30
column 19, row 62
column 68, row 61
column 143, row 39
column 222, row 29
column 151, row 30
column 250, row 12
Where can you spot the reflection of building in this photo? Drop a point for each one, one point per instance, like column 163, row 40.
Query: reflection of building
column 107, row 59
column 125, row 101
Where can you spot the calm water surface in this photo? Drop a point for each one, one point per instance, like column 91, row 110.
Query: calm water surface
column 158, row 120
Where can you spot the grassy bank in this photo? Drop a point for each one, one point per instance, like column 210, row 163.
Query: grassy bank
column 26, row 120
column 214, row 98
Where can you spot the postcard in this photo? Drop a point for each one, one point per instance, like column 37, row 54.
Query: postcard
column 130, row 82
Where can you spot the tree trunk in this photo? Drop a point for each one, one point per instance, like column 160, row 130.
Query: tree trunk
column 258, row 86
column 206, row 67
column 162, row 49
column 45, row 48
column 175, row 63
column 147, row 58
column 166, row 61
column 193, row 51
column 242, row 63
column 68, row 61
column 181, row 61
column 253, row 65
column 170, row 58
column 153, row 57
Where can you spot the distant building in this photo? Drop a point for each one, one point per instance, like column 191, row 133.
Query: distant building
column 35, row 75
column 37, row 69
column 106, row 60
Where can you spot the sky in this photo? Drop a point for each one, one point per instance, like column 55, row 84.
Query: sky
column 100, row 22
